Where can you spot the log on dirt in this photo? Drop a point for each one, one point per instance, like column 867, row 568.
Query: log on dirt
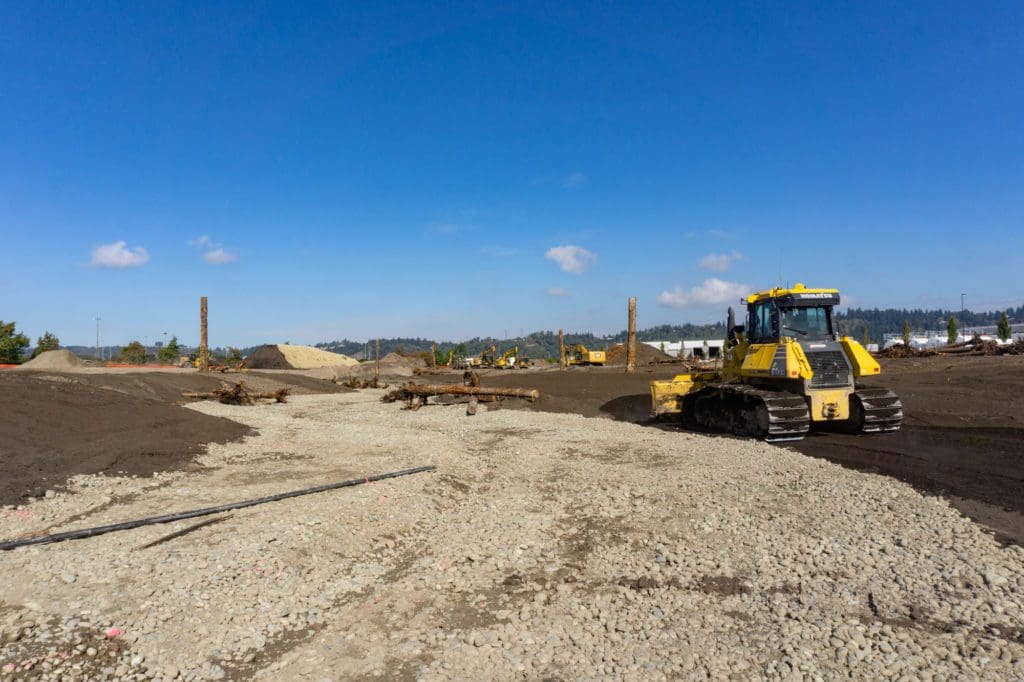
column 417, row 394
column 352, row 382
column 238, row 394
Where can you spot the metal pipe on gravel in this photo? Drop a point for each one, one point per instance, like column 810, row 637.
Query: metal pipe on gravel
column 168, row 518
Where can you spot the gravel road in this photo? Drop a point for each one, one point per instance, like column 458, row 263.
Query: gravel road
column 545, row 546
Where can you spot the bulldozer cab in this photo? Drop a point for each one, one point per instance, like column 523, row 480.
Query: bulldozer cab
column 794, row 314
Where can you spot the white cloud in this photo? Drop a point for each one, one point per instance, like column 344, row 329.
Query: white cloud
column 118, row 255
column 203, row 242
column 720, row 262
column 574, row 180
column 711, row 292
column 558, row 292
column 719, row 234
column 574, row 259
column 214, row 253
column 219, row 257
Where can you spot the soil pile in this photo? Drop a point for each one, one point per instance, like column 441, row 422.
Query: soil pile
column 57, row 427
column 55, row 359
column 282, row 356
column 392, row 367
column 645, row 355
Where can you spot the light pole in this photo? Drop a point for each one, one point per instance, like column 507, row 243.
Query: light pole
column 98, row 356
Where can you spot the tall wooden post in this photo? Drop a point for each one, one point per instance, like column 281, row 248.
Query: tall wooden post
column 561, row 350
column 631, row 339
column 204, row 357
column 376, row 374
column 433, row 355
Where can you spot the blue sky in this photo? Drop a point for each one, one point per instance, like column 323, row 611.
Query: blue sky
column 324, row 171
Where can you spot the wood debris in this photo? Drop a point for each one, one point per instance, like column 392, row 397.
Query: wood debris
column 238, row 394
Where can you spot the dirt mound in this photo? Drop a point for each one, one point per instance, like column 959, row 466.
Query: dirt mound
column 100, row 431
column 645, row 355
column 55, row 359
column 282, row 356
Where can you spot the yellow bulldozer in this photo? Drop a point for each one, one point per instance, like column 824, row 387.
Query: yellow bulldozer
column 785, row 369
column 579, row 355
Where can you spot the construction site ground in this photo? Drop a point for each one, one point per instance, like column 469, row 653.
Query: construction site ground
column 544, row 546
column 962, row 435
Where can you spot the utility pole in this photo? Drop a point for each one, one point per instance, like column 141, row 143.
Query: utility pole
column 204, row 360
column 962, row 308
column 99, row 356
column 631, row 339
column 561, row 350
column 376, row 373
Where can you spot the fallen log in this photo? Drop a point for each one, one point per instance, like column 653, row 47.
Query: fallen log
column 237, row 395
column 413, row 390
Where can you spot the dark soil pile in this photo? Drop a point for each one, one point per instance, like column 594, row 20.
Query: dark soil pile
column 645, row 355
column 267, row 357
column 60, row 425
column 53, row 430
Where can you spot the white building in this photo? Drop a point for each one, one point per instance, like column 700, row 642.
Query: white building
column 709, row 348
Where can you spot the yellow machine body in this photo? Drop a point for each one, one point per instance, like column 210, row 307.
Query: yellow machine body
column 580, row 355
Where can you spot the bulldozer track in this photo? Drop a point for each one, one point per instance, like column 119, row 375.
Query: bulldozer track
column 744, row 410
column 880, row 410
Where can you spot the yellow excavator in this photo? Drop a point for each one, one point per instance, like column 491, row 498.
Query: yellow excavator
column 579, row 355
column 785, row 369
column 510, row 359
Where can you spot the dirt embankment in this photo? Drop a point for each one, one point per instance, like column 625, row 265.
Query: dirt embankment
column 56, row 426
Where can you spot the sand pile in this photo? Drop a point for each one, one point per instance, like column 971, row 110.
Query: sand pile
column 283, row 356
column 645, row 355
column 55, row 359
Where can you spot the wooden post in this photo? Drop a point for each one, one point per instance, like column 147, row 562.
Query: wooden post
column 377, row 372
column 631, row 339
column 561, row 350
column 433, row 355
column 204, row 358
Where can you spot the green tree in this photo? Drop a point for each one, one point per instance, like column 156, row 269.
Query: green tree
column 906, row 333
column 12, row 344
column 235, row 355
column 867, row 335
column 134, row 354
column 1003, row 328
column 46, row 342
column 170, row 353
column 951, row 330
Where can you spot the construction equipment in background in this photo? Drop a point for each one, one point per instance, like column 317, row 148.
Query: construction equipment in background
column 782, row 371
column 579, row 355
column 509, row 359
column 485, row 359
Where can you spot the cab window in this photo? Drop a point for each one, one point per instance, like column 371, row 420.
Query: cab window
column 809, row 324
column 762, row 323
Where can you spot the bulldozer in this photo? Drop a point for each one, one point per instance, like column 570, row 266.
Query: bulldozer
column 783, row 371
column 579, row 355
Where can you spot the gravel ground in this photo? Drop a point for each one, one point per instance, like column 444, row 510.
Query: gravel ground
column 545, row 546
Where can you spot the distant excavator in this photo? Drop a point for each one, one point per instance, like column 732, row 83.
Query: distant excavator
column 784, row 370
column 511, row 359
column 579, row 355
